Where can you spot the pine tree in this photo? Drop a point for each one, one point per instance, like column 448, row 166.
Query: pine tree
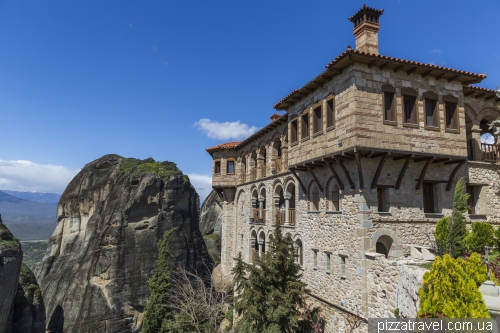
column 157, row 310
column 458, row 228
column 450, row 289
column 269, row 294
column 441, row 234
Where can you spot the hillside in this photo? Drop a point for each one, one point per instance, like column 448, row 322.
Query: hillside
column 50, row 198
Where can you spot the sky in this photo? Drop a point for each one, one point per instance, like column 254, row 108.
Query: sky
column 167, row 79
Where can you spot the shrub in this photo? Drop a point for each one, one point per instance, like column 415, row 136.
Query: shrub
column 480, row 236
column 450, row 289
column 458, row 228
column 497, row 238
column 441, row 235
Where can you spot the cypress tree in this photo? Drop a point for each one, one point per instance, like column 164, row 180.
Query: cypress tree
column 441, row 235
column 157, row 310
column 269, row 293
column 458, row 228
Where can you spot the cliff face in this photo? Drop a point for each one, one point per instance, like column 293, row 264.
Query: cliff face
column 99, row 259
column 27, row 313
column 211, row 215
column 11, row 257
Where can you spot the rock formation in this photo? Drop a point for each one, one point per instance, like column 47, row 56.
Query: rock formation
column 99, row 259
column 211, row 224
column 11, row 258
column 27, row 313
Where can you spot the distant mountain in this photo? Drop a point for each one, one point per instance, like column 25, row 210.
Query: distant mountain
column 35, row 196
column 26, row 219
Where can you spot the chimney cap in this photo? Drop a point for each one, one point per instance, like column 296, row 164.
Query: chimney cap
column 366, row 14
column 275, row 116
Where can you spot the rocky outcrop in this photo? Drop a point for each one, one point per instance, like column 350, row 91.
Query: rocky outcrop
column 99, row 259
column 211, row 214
column 27, row 313
column 11, row 257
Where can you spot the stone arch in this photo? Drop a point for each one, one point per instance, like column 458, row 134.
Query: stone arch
column 387, row 238
column 469, row 110
column 332, row 196
column 289, row 180
column 299, row 250
column 488, row 113
column 253, row 246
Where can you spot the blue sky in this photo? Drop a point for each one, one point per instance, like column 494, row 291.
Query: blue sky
column 80, row 79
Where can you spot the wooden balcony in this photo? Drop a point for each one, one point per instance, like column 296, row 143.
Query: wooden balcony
column 490, row 152
column 291, row 216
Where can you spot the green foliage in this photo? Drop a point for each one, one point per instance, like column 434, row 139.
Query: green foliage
column 2, row 226
column 497, row 238
column 481, row 235
column 450, row 289
column 458, row 228
column 441, row 234
column 477, row 270
column 229, row 316
column 269, row 294
column 157, row 310
column 135, row 167
column 396, row 313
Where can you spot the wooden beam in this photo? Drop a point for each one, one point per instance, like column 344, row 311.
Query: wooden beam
column 402, row 157
column 335, row 174
column 452, row 175
column 379, row 169
column 335, row 70
column 398, row 68
column 422, row 174
column 411, row 71
column 490, row 97
column 315, row 178
column 384, row 65
column 371, row 64
column 346, row 155
column 378, row 154
column 452, row 162
column 346, row 173
column 426, row 74
column 385, row 186
column 360, row 171
column 454, row 77
column 440, row 76
column 300, row 181
column 469, row 93
column 433, row 181
column 439, row 160
column 402, row 172
column 422, row 159
column 480, row 95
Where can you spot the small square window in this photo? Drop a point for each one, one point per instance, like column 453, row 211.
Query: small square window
column 230, row 167
column 217, row 166
column 410, row 111
column 431, row 113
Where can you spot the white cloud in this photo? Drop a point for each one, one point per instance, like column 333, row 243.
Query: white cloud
column 202, row 184
column 24, row 175
column 155, row 48
column 437, row 51
column 487, row 138
column 131, row 25
column 226, row 130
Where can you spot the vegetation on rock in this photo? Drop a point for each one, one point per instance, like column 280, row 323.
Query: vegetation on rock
column 481, row 235
column 451, row 289
column 269, row 295
column 136, row 167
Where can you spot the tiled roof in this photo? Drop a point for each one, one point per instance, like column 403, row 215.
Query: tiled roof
column 349, row 55
column 226, row 145
column 366, row 8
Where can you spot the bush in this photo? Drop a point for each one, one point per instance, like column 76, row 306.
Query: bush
column 481, row 235
column 441, row 235
column 497, row 238
column 450, row 289
column 458, row 228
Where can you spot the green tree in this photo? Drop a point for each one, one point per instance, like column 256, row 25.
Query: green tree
column 450, row 289
column 458, row 228
column 441, row 235
column 269, row 294
column 481, row 235
column 157, row 310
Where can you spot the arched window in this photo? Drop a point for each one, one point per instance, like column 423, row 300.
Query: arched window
column 333, row 197
column 299, row 252
column 315, row 198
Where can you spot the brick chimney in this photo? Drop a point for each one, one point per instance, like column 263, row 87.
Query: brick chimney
column 275, row 116
column 366, row 27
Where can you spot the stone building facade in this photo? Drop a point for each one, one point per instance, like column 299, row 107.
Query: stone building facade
column 358, row 170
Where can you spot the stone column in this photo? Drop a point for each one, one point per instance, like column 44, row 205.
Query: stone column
column 261, row 243
column 287, row 197
column 476, row 143
column 261, row 203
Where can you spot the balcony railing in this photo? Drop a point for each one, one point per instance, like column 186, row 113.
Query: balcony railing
column 291, row 216
column 490, row 152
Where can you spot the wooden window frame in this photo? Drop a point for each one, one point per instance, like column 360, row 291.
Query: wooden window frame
column 330, row 112
column 317, row 122
column 227, row 167
column 450, row 100
column 388, row 89
column 217, row 163
column 430, row 96
column 294, row 130
column 409, row 93
column 305, row 116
